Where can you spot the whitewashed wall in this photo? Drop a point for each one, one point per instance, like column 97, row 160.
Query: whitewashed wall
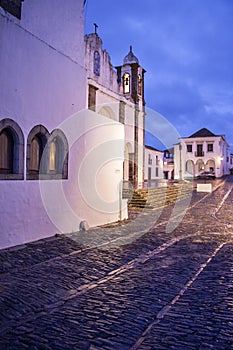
column 152, row 154
column 39, row 85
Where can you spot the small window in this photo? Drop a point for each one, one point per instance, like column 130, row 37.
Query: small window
column 97, row 63
column 210, row 147
column 36, row 161
column 58, row 155
column 156, row 172
column 157, row 160
column 6, row 152
column 149, row 159
column 36, row 151
column 11, row 150
column 189, row 148
column 126, row 83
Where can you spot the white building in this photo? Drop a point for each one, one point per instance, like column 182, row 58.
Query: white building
column 202, row 151
column 168, row 164
column 61, row 163
column 153, row 164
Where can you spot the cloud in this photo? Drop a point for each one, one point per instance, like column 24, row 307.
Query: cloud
column 186, row 47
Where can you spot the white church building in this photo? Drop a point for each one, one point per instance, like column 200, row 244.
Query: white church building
column 71, row 126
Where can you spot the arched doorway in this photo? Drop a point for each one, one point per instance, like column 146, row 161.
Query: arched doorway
column 210, row 165
column 200, row 166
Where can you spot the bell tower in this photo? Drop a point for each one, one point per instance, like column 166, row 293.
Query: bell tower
column 131, row 81
column 131, row 78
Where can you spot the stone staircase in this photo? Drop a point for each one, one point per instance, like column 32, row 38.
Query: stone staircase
column 158, row 197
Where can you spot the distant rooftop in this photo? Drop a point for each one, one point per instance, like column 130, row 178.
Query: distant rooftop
column 153, row 149
column 203, row 133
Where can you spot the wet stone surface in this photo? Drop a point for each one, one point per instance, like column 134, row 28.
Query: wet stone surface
column 163, row 281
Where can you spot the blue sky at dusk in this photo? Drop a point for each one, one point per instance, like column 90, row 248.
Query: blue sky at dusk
column 186, row 47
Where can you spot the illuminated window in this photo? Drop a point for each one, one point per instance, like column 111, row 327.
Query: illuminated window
column 58, row 155
column 52, row 155
column 139, row 84
column 126, row 83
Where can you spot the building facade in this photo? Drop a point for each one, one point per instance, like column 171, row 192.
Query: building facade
column 202, row 151
column 118, row 94
column 71, row 126
column 153, row 164
column 168, row 164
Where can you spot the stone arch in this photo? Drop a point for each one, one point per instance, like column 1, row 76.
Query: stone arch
column 107, row 111
column 36, row 143
column 210, row 165
column 13, row 134
column 58, row 151
column 190, row 168
column 200, row 166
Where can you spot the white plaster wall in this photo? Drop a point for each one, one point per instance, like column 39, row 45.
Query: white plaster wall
column 38, row 86
column 141, row 147
column 57, row 22
column 109, row 102
column 95, row 192
column 176, row 162
column 153, row 166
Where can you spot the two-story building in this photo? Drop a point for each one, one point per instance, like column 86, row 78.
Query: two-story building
column 202, row 151
column 153, row 164
column 168, row 164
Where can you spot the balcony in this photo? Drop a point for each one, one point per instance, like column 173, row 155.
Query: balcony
column 199, row 154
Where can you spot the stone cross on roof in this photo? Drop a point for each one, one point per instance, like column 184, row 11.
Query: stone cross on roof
column 96, row 26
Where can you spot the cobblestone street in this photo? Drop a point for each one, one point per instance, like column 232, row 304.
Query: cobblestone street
column 162, row 281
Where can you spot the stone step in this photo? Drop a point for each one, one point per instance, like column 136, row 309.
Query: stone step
column 158, row 197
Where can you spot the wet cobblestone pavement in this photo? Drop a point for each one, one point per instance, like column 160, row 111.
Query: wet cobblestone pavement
column 162, row 281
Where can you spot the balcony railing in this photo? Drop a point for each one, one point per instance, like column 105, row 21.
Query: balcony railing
column 199, row 154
